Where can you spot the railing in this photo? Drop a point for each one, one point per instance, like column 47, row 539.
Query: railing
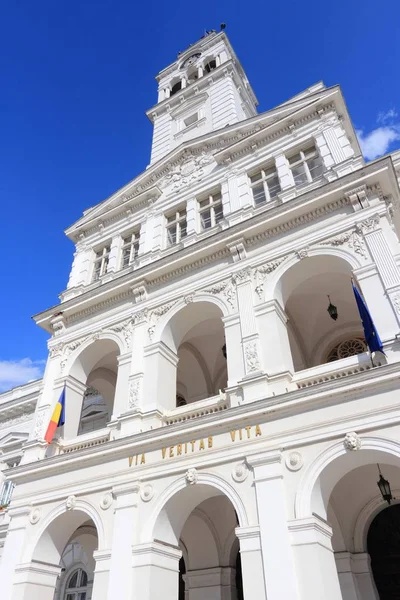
column 87, row 440
column 334, row 370
column 194, row 410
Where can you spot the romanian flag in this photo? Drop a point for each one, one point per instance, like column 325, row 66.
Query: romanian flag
column 57, row 419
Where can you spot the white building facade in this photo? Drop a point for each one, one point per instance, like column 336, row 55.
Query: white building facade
column 222, row 430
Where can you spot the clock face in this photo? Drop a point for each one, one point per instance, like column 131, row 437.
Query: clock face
column 190, row 60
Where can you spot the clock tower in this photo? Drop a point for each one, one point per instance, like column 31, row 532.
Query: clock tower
column 204, row 90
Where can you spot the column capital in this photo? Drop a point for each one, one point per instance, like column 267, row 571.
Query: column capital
column 310, row 530
column 266, row 465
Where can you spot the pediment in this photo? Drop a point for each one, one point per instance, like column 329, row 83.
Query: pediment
column 189, row 105
column 12, row 439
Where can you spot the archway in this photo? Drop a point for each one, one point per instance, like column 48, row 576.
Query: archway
column 199, row 521
column 305, row 291
column 383, row 543
column 60, row 565
column 91, row 386
column 195, row 336
column 346, row 495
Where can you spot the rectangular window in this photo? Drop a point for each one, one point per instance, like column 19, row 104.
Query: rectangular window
column 176, row 227
column 190, row 120
column 306, row 166
column 130, row 248
column 6, row 493
column 265, row 185
column 210, row 210
column 101, row 262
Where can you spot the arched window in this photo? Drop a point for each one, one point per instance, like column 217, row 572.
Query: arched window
column 210, row 66
column 175, row 88
column 349, row 347
column 77, row 586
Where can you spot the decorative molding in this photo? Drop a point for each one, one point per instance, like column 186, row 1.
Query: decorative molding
column 260, row 275
column 188, row 299
column 15, row 420
column 106, row 501
column 369, row 225
column 126, row 328
column 34, row 516
column 303, row 253
column 240, row 472
column 134, row 393
column 146, row 492
column 189, row 171
column 156, row 314
column 352, row 441
column 251, row 356
column 224, row 288
column 396, row 304
column 70, row 503
column 294, row 461
column 352, row 238
column 243, row 276
column 40, row 419
column 191, row 476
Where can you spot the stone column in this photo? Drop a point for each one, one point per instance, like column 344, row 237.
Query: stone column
column 387, row 312
column 278, row 362
column 217, row 583
column 361, row 567
column 101, row 574
column 13, row 548
column 35, row 581
column 252, row 563
column 254, row 386
column 278, row 560
column 155, row 571
column 121, row 396
column 234, row 356
column 160, row 377
column 74, row 391
column 315, row 561
column 347, row 580
column 124, row 528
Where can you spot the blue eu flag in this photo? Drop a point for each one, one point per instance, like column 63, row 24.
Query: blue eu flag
column 371, row 335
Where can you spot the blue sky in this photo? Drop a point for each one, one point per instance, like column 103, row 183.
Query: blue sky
column 76, row 78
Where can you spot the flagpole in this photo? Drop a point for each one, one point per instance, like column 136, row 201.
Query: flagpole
column 370, row 331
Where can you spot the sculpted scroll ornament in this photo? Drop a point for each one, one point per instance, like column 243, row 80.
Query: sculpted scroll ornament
column 396, row 303
column 352, row 441
column 155, row 315
column 369, row 225
column 190, row 170
column 224, row 288
column 251, row 357
column 352, row 238
column 40, row 418
column 260, row 275
column 134, row 393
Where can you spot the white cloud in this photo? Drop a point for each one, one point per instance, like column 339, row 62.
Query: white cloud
column 377, row 142
column 18, row 372
column 384, row 117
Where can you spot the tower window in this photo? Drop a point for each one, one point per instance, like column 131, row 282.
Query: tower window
column 210, row 66
column 210, row 211
column 175, row 88
column 101, row 262
column 265, row 185
column 306, row 165
column 130, row 248
column 176, row 227
column 192, row 119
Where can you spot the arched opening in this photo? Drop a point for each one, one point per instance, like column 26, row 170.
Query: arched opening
column 347, row 496
column 210, row 64
column 306, row 291
column 89, row 406
column 196, row 336
column 63, row 560
column 176, row 87
column 201, row 521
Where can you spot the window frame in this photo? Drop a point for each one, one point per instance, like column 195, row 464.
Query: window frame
column 303, row 161
column 103, row 260
column 212, row 203
column 133, row 245
column 75, row 592
column 264, row 181
column 180, row 217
